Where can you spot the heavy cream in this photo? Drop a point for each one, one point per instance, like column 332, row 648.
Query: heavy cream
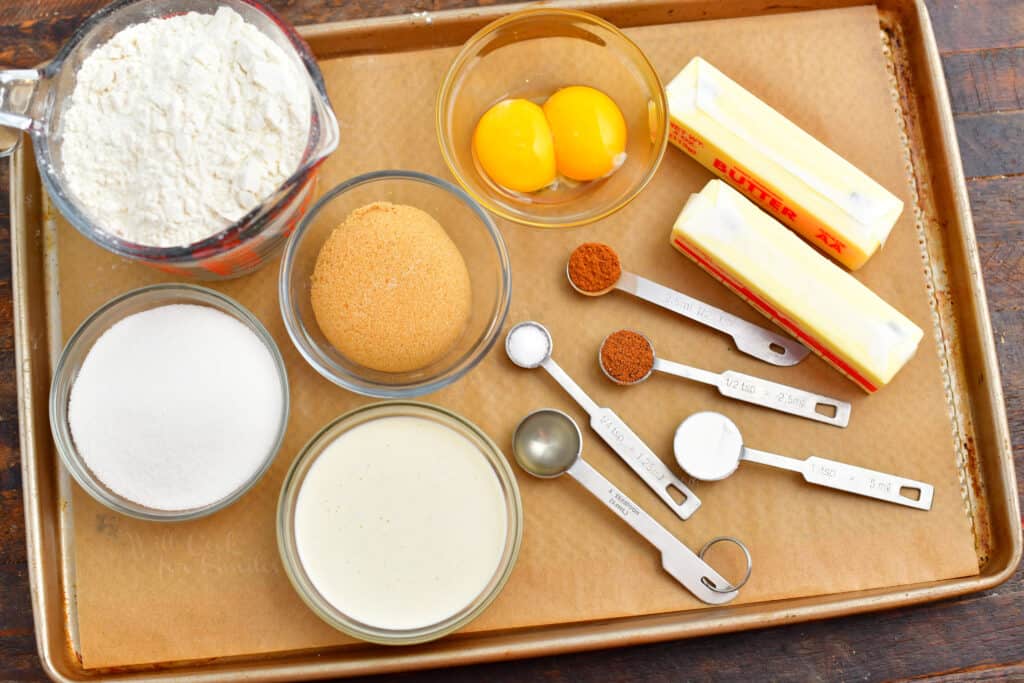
column 401, row 522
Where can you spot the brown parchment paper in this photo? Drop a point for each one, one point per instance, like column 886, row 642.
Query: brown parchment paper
column 150, row 592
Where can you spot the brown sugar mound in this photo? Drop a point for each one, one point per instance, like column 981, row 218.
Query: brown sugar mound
column 390, row 289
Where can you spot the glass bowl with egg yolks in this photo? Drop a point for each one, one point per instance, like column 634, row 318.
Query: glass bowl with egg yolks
column 434, row 522
column 531, row 55
column 473, row 233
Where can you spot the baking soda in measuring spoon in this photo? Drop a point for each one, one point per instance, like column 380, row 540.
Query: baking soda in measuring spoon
column 176, row 407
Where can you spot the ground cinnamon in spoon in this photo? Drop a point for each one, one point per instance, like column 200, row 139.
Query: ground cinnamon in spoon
column 627, row 356
column 594, row 267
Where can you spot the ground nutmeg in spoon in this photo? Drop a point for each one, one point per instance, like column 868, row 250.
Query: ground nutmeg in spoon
column 594, row 267
column 390, row 289
column 627, row 357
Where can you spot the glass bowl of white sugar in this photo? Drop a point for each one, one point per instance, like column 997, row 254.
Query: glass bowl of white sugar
column 183, row 134
column 399, row 522
column 169, row 402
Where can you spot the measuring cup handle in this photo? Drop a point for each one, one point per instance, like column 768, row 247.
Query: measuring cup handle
column 17, row 93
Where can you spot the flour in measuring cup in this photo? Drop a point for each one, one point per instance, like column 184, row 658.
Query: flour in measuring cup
column 178, row 127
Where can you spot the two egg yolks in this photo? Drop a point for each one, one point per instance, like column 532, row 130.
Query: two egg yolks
column 578, row 133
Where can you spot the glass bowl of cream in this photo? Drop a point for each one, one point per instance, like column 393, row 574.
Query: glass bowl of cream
column 399, row 522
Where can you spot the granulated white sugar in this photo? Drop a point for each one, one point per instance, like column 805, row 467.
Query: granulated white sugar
column 527, row 345
column 176, row 407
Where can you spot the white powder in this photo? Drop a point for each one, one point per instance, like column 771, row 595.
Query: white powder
column 176, row 407
column 528, row 344
column 178, row 127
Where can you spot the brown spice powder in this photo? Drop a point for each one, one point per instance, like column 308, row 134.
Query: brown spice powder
column 627, row 356
column 594, row 267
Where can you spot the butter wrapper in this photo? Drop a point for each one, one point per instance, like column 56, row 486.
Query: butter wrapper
column 778, row 165
column 813, row 299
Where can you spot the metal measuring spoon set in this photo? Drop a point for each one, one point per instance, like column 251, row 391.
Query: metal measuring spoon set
column 529, row 346
column 708, row 446
column 548, row 443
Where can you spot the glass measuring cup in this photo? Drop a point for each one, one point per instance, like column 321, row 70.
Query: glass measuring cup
column 34, row 100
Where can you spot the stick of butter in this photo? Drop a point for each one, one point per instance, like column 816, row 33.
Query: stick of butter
column 812, row 298
column 789, row 173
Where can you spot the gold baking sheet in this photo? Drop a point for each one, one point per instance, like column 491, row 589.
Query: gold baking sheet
column 223, row 572
column 214, row 588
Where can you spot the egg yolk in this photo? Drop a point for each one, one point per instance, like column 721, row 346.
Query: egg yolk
column 589, row 132
column 513, row 144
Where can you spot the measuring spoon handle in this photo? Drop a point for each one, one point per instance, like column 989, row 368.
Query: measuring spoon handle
column 783, row 398
column 751, row 339
column 670, row 367
column 865, row 482
column 570, row 386
column 678, row 560
column 629, row 447
column 642, row 460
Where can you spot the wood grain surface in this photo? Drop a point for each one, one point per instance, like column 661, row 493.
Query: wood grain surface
column 976, row 638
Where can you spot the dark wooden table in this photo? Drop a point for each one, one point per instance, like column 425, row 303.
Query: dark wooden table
column 980, row 637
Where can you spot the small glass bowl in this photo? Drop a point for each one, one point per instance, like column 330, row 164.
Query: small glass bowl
column 531, row 54
column 473, row 232
column 78, row 348
column 293, row 484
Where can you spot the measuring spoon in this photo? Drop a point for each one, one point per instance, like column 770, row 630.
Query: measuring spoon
column 751, row 339
column 547, row 443
column 529, row 346
column 709, row 447
column 743, row 387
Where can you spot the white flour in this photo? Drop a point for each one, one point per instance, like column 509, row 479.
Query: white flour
column 178, row 127
column 176, row 407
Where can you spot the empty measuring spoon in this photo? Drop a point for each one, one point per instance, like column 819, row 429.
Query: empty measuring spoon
column 709, row 447
column 529, row 345
column 756, row 341
column 731, row 384
column 547, row 443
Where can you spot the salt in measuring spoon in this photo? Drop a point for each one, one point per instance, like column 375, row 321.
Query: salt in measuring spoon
column 753, row 340
column 731, row 384
column 709, row 447
column 547, row 443
column 529, row 345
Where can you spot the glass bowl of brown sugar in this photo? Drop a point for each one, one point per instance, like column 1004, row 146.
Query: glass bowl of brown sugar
column 395, row 284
